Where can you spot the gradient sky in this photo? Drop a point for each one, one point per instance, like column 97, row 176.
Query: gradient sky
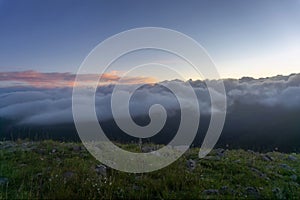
column 256, row 38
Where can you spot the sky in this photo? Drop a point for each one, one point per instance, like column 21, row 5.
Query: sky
column 257, row 38
column 43, row 43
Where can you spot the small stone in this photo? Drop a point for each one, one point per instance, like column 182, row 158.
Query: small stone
column 147, row 149
column 212, row 158
column 211, row 192
column 68, row 174
column 270, row 167
column 292, row 158
column 220, row 152
column 259, row 173
column 101, row 169
column 224, row 187
column 252, row 191
column 135, row 187
column 156, row 153
column 3, row 180
column 276, row 190
column 294, row 177
column 191, row 164
column 40, row 151
column 287, row 167
column 251, row 151
column 267, row 157
column 39, row 174
column 7, row 146
column 76, row 148
column 255, row 170
column 225, row 190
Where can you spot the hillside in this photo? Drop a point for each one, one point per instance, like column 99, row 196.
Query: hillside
column 49, row 169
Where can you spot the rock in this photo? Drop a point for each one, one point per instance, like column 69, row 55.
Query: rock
column 276, row 190
column 267, row 157
column 292, row 158
column 224, row 187
column 251, row 151
column 181, row 148
column 287, row 167
column 76, row 148
column 101, row 170
column 294, row 177
column 40, row 151
column 270, row 167
column 211, row 192
column 277, row 193
column 12, row 150
column 252, row 191
column 135, row 187
column 39, row 174
column 191, row 164
column 147, row 149
column 212, row 158
column 25, row 144
column 3, row 180
column 28, row 148
column 68, row 174
column 23, row 165
column 220, row 152
column 138, row 177
column 259, row 173
column 53, row 150
column 156, row 153
column 7, row 146
column 225, row 190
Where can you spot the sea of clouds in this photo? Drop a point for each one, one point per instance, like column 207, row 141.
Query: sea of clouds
column 47, row 106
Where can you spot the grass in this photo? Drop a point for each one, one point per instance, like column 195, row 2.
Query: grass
column 48, row 169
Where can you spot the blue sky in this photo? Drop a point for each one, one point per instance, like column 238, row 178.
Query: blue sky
column 244, row 38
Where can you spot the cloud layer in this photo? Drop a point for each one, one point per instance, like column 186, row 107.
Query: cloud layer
column 53, row 105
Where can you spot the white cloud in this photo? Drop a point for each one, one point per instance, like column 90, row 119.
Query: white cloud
column 53, row 106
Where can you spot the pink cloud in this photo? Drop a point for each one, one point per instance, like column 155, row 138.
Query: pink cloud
column 56, row 79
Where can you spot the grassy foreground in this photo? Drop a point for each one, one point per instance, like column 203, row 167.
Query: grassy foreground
column 49, row 169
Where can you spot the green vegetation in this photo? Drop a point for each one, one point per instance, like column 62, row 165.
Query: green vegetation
column 49, row 169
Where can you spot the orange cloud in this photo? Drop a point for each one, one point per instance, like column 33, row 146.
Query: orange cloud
column 55, row 79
